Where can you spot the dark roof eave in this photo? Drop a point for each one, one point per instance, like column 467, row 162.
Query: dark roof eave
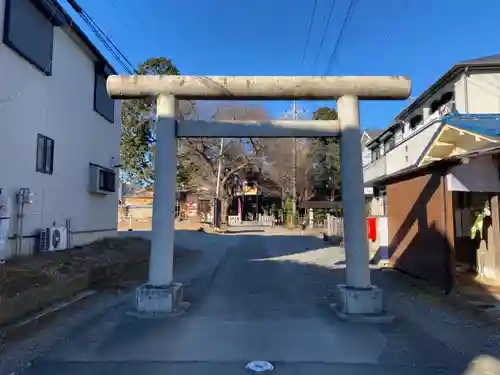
column 377, row 139
column 455, row 70
column 445, row 78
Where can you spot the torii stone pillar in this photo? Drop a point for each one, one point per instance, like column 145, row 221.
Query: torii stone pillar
column 357, row 298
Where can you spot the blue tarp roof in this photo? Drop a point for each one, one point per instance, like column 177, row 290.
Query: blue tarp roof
column 487, row 125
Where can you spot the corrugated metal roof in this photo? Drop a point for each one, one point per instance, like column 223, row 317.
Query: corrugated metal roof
column 486, row 125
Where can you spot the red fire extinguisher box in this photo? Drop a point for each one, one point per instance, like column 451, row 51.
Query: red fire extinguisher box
column 372, row 228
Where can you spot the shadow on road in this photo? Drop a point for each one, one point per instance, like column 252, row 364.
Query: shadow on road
column 267, row 295
column 426, row 331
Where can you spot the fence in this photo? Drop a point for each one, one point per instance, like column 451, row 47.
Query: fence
column 266, row 220
column 334, row 226
column 136, row 217
column 233, row 220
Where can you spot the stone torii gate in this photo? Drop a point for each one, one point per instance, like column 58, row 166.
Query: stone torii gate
column 357, row 297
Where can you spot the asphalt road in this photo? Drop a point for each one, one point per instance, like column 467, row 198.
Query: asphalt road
column 259, row 296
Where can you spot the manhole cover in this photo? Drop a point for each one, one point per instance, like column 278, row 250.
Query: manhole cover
column 259, row 366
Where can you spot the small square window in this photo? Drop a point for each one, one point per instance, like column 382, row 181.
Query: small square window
column 44, row 154
column 107, row 180
column 389, row 144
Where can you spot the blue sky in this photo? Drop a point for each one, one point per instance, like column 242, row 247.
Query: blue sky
column 416, row 38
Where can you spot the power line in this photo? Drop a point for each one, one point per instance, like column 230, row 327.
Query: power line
column 323, row 37
column 309, row 32
column 393, row 23
column 119, row 11
column 103, row 38
column 347, row 19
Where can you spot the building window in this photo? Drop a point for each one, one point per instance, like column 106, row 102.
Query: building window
column 107, row 180
column 389, row 144
column 28, row 30
column 380, row 195
column 446, row 98
column 415, row 120
column 103, row 104
column 398, row 135
column 463, row 199
column 383, row 203
column 435, row 106
column 44, row 154
column 375, row 154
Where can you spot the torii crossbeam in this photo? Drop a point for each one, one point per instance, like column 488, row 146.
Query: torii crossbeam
column 358, row 298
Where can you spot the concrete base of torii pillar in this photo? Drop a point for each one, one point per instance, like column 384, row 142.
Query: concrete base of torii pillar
column 160, row 299
column 358, row 300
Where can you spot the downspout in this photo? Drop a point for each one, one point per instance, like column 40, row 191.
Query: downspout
column 466, row 90
column 447, row 246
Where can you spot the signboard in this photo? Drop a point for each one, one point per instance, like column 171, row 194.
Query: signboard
column 249, row 190
column 192, row 209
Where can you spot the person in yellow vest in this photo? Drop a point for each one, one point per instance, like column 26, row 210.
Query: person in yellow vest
column 479, row 224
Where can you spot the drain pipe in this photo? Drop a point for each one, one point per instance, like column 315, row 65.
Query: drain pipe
column 23, row 197
column 444, row 233
column 466, row 90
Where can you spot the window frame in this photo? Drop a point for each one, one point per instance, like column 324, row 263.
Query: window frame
column 435, row 105
column 415, row 121
column 446, row 98
column 46, row 140
column 389, row 144
column 101, row 70
column 102, row 187
column 47, row 70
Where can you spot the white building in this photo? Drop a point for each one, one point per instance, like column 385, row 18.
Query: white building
column 60, row 131
column 418, row 135
column 366, row 137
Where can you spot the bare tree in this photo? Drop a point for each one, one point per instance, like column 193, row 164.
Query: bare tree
column 277, row 167
column 200, row 156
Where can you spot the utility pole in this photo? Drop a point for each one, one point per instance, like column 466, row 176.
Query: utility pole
column 217, row 204
column 294, row 166
column 219, row 167
column 295, row 115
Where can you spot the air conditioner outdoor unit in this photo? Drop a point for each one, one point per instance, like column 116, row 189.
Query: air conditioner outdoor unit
column 53, row 239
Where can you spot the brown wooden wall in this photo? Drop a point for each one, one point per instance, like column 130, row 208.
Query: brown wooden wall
column 418, row 242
